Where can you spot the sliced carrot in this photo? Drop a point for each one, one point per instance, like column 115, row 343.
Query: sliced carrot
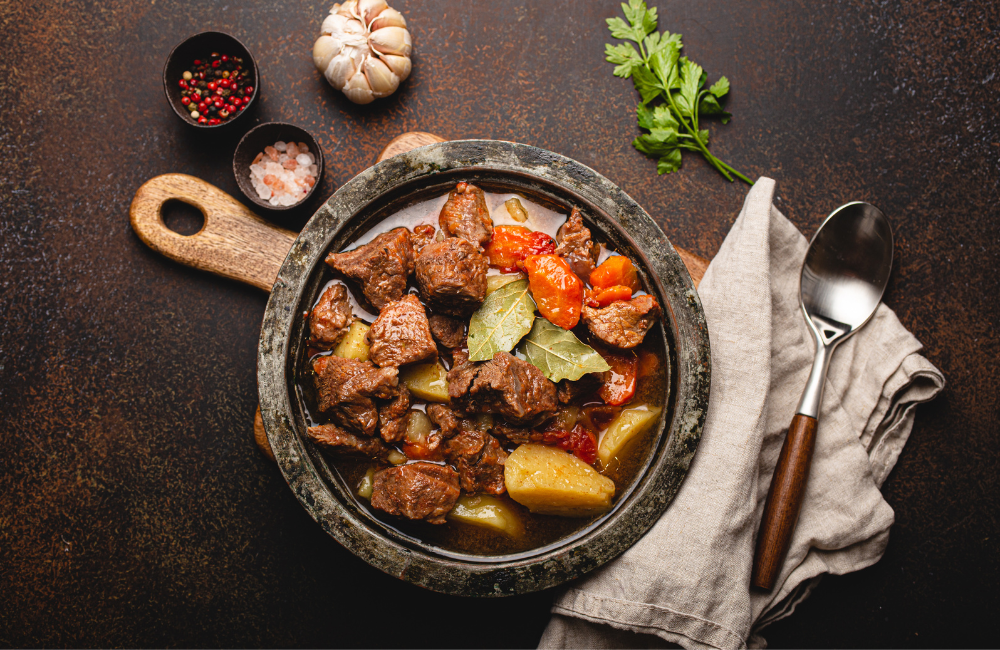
column 557, row 291
column 604, row 297
column 614, row 271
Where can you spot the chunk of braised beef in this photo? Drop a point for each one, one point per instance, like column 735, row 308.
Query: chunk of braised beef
column 598, row 417
column 422, row 235
column 346, row 388
column 335, row 439
column 576, row 246
column 465, row 215
column 381, row 266
column 514, row 434
column 622, row 324
column 447, row 421
column 400, row 334
column 394, row 415
column 449, row 332
column 505, row 386
column 574, row 391
column 416, row 491
column 451, row 275
column 330, row 319
column 480, row 461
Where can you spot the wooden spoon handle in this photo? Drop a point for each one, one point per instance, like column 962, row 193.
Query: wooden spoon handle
column 784, row 499
column 234, row 242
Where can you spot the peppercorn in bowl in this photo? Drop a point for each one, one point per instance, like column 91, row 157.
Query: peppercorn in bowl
column 210, row 80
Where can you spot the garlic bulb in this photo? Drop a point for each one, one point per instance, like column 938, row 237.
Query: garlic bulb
column 364, row 50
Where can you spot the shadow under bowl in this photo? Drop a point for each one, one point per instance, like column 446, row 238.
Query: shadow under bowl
column 201, row 46
column 265, row 135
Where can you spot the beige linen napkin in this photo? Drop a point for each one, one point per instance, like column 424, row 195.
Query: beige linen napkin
column 687, row 580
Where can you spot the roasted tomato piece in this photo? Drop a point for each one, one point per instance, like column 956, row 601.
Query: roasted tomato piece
column 604, row 297
column 580, row 440
column 615, row 271
column 422, row 451
column 558, row 292
column 619, row 382
column 512, row 244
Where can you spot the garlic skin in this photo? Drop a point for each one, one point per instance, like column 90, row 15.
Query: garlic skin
column 364, row 50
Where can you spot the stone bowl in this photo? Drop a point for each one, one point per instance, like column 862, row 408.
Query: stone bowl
column 253, row 143
column 197, row 47
column 543, row 176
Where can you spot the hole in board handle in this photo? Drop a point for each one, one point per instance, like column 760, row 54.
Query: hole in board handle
column 182, row 217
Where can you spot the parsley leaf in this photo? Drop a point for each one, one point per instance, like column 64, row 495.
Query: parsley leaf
column 672, row 89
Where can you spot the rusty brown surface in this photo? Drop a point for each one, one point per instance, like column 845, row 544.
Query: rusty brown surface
column 135, row 509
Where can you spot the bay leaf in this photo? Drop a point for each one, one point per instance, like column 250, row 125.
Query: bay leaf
column 501, row 321
column 559, row 354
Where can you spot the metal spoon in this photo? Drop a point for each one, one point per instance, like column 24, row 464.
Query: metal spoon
column 843, row 278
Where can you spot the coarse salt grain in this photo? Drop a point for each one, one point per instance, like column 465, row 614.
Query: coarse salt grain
column 285, row 174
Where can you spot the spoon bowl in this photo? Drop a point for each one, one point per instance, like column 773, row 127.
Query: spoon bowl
column 846, row 269
column 844, row 275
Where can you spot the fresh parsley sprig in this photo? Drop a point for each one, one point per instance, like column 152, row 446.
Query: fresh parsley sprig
column 659, row 72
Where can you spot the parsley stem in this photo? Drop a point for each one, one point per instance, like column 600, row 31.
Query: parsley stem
column 712, row 160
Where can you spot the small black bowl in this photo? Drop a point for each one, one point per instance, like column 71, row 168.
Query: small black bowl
column 265, row 135
column 201, row 46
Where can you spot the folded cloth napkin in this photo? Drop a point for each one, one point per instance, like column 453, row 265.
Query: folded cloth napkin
column 687, row 580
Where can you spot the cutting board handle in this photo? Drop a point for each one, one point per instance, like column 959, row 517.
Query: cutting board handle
column 234, row 242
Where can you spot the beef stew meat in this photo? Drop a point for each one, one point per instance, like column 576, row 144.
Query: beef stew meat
column 504, row 385
column 346, row 388
column 330, row 319
column 622, row 324
column 465, row 215
column 479, row 459
column 576, row 247
column 431, row 430
column 401, row 335
column 446, row 420
column 449, row 332
column 393, row 417
column 422, row 235
column 416, row 491
column 333, row 438
column 380, row 266
column 451, row 275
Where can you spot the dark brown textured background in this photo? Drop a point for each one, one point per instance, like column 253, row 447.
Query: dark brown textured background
column 134, row 509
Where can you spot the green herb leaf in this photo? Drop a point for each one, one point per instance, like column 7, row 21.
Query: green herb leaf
column 720, row 87
column 671, row 88
column 501, row 321
column 669, row 163
column 620, row 30
column 625, row 56
column 653, row 146
column 646, row 83
column 690, row 83
column 559, row 354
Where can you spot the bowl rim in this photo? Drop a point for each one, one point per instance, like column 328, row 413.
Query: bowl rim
column 314, row 148
column 680, row 436
column 167, row 87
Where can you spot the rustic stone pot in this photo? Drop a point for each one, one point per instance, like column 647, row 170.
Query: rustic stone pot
column 544, row 176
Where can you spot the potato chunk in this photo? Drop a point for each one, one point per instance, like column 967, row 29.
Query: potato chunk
column 623, row 429
column 487, row 512
column 427, row 381
column 354, row 345
column 550, row 481
column 365, row 486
